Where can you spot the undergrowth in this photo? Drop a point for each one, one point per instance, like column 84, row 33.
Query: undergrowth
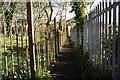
column 45, row 76
column 89, row 71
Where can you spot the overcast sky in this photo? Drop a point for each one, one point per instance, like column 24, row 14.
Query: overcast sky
column 69, row 15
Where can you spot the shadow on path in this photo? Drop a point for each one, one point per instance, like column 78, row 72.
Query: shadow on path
column 65, row 68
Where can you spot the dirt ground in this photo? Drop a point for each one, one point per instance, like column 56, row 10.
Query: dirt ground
column 66, row 67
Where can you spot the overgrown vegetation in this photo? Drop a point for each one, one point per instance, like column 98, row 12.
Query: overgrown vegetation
column 15, row 58
column 41, row 73
column 89, row 71
column 79, row 9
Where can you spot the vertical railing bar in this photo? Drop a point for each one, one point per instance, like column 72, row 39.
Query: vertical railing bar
column 84, row 34
column 103, row 37
column 98, row 36
column 114, row 42
column 97, row 29
column 91, row 35
column 93, row 39
column 118, row 47
column 88, row 33
column 106, row 36
column 109, row 43
column 95, row 35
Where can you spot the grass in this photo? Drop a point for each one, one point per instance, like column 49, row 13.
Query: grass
column 22, row 50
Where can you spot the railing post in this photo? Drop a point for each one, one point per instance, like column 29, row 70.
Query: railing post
column 118, row 48
column 103, row 38
column 109, row 45
column 31, row 39
column 58, row 39
column 100, row 34
column 114, row 42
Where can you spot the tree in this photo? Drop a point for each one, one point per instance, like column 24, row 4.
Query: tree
column 9, row 13
column 79, row 9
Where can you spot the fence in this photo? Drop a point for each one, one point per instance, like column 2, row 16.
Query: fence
column 15, row 55
column 15, row 52
column 76, row 36
column 102, row 36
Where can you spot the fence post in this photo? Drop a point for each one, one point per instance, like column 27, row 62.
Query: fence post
column 58, row 39
column 31, row 38
column 55, row 38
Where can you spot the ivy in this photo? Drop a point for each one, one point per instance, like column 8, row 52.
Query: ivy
column 79, row 9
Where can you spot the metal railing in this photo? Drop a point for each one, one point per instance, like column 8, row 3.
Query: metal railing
column 101, row 36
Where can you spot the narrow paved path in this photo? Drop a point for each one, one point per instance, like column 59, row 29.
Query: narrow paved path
column 66, row 67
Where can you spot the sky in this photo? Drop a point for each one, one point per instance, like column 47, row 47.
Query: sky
column 69, row 15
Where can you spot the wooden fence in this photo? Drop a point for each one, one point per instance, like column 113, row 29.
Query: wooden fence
column 15, row 50
column 101, row 36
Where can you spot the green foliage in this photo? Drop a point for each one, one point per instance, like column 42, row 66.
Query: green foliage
column 8, row 15
column 89, row 70
column 79, row 9
column 15, row 12
column 45, row 76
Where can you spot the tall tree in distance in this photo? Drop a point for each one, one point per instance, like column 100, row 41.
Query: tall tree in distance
column 79, row 9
